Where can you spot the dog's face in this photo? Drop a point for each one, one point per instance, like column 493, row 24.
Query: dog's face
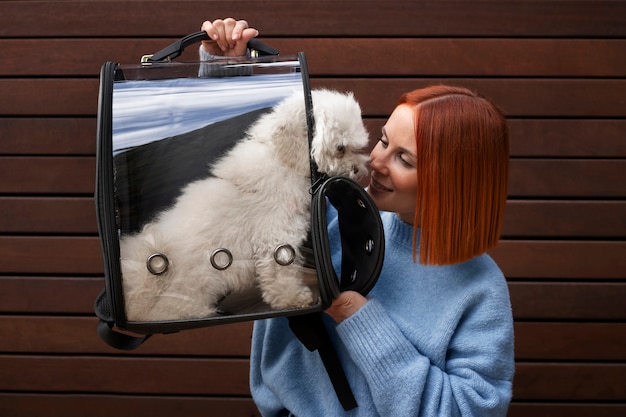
column 340, row 138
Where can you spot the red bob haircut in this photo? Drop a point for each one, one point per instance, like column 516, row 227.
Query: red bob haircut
column 462, row 143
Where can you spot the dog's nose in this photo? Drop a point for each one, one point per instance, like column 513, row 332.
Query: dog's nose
column 359, row 171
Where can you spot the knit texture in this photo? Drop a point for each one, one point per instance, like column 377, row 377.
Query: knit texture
column 431, row 341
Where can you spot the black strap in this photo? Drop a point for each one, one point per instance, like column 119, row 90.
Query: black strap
column 119, row 340
column 313, row 335
column 316, row 177
column 106, row 324
column 309, row 328
column 175, row 49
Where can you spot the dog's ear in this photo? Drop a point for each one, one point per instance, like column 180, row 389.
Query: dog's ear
column 328, row 138
column 320, row 134
column 289, row 134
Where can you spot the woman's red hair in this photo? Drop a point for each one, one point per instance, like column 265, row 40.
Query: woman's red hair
column 462, row 171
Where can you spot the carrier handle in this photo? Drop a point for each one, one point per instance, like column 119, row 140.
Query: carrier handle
column 175, row 49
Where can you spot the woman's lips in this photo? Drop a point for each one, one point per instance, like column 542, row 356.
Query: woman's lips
column 378, row 187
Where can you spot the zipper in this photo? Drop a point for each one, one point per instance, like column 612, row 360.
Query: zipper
column 105, row 197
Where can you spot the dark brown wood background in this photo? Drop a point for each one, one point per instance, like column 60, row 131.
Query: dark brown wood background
column 557, row 69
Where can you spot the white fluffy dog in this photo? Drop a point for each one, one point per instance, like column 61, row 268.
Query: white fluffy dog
column 242, row 226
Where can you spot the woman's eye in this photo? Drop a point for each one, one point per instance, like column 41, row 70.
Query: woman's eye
column 405, row 159
column 383, row 141
column 406, row 163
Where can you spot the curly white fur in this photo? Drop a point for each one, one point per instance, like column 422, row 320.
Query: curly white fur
column 256, row 199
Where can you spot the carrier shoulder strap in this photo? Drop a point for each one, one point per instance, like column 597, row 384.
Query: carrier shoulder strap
column 312, row 333
column 309, row 328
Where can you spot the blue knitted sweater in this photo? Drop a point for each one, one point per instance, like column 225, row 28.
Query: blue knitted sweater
column 431, row 341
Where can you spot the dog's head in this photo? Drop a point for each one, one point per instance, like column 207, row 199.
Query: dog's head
column 339, row 138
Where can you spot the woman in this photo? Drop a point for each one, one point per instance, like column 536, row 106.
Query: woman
column 435, row 335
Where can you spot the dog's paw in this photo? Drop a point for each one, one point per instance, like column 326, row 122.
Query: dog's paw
column 303, row 297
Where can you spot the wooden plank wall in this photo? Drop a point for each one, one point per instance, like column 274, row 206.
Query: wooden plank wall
column 557, row 68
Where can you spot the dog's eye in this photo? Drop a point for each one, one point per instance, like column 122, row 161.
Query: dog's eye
column 341, row 150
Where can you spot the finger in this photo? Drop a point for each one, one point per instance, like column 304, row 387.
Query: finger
column 229, row 26
column 216, row 45
column 221, row 39
column 345, row 305
column 238, row 29
column 249, row 33
column 208, row 27
column 241, row 46
column 241, row 35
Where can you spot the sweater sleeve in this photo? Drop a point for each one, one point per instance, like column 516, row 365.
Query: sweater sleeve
column 213, row 65
column 476, row 378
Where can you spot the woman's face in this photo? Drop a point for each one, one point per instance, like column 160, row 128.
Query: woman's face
column 393, row 183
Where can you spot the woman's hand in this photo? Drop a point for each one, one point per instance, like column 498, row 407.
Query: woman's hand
column 229, row 37
column 345, row 305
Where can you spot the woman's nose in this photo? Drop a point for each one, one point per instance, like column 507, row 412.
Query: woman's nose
column 377, row 162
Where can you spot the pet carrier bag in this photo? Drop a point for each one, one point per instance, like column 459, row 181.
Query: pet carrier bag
column 199, row 225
